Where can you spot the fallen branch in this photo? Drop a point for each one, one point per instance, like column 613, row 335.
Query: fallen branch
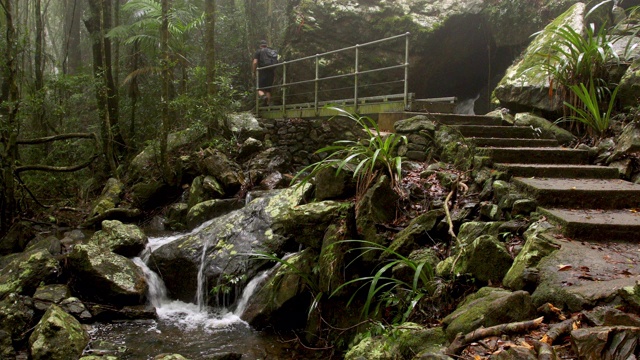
column 560, row 329
column 53, row 138
column 461, row 341
column 448, row 214
column 544, row 350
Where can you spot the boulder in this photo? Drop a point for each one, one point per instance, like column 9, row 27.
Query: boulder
column 414, row 125
column 307, row 223
column 525, row 86
column 415, row 234
column 103, row 276
column 250, row 147
column 169, row 357
column 282, row 300
column 488, row 307
column 401, row 342
column 244, row 125
column 73, row 305
column 606, row 342
column 470, row 231
column 27, row 271
column 109, row 198
column 334, row 257
column 210, row 209
column 108, row 313
column 177, row 216
column 17, row 316
column 58, row 336
column 151, row 193
column 404, row 272
column 6, row 346
column 628, row 142
column 123, row 239
column 536, row 247
column 267, row 161
column 46, row 295
column 204, row 188
column 17, row 238
column 256, row 227
column 629, row 87
column 545, row 128
column 333, row 185
column 453, row 147
column 486, row 259
column 226, row 172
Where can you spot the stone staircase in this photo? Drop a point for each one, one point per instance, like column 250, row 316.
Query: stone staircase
column 588, row 202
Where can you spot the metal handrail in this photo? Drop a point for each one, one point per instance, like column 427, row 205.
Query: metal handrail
column 355, row 74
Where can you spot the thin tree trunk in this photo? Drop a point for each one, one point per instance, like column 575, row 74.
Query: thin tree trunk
column 210, row 27
column 166, row 126
column 71, row 54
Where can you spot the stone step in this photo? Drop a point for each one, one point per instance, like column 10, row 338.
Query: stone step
column 387, row 119
column 513, row 142
column 558, row 171
column 583, row 193
column 597, row 225
column 535, row 155
column 520, row 132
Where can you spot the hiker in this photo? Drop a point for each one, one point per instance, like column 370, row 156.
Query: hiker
column 265, row 56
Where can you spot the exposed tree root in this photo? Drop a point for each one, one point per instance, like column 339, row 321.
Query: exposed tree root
column 560, row 329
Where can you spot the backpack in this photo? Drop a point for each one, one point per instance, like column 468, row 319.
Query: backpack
column 268, row 56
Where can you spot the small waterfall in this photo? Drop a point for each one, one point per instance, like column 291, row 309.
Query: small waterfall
column 201, row 293
column 248, row 292
column 157, row 290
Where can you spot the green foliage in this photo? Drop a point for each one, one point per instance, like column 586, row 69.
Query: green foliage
column 226, row 283
column 590, row 113
column 388, row 292
column 365, row 157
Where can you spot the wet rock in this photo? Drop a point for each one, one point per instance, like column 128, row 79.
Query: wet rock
column 109, row 198
column 75, row 307
column 536, row 247
column 123, row 239
column 210, row 209
column 256, row 227
column 488, row 307
column 102, row 312
column 225, row 171
column 307, row 223
column 58, row 336
column 274, row 180
column 17, row 316
column 177, row 216
column 27, row 271
column 282, row 300
column 524, row 88
column 103, row 276
column 268, row 161
column 401, row 342
column 619, row 342
column 250, row 147
column 50, row 294
column 204, row 188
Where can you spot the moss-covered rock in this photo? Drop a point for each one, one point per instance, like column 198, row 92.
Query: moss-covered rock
column 415, row 234
column 123, row 239
column 226, row 172
column 401, row 342
column 6, row 346
column 204, row 188
column 469, row 231
column 488, row 307
column 103, row 276
column 177, row 216
column 453, row 147
column 46, row 295
column 546, row 128
column 333, row 185
column 17, row 238
column 110, row 197
column 27, row 271
column 58, row 336
column 244, row 125
column 210, row 209
column 536, row 247
column 334, row 257
column 17, row 316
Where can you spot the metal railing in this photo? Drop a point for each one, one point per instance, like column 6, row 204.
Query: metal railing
column 356, row 74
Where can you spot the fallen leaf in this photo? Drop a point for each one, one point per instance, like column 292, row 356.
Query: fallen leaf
column 563, row 267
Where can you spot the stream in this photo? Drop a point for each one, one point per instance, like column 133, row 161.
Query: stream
column 190, row 329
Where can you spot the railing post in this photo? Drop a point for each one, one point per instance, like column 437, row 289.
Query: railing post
column 355, row 77
column 257, row 92
column 315, row 101
column 284, row 89
column 406, row 72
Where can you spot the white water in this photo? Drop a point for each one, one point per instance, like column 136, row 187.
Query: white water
column 189, row 316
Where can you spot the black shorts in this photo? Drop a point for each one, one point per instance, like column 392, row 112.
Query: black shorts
column 265, row 79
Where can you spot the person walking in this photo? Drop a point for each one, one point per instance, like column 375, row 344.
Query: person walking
column 265, row 56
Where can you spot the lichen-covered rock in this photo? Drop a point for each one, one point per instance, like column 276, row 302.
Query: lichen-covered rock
column 404, row 272
column 27, row 271
column 103, row 276
column 307, row 223
column 225, row 171
column 250, row 147
column 536, row 247
column 488, row 307
column 244, row 125
column 275, row 300
column 334, row 257
column 629, row 88
column 256, row 227
column 110, row 197
column 210, row 209
column 58, row 336
column 486, row 259
column 123, row 239
column 17, row 316
column 401, row 342
column 73, row 305
column 527, row 87
column 414, row 125
column 469, row 231
column 544, row 127
column 415, row 234
column 204, row 188
column 333, row 185
column 50, row 294
column 453, row 147
column 177, row 216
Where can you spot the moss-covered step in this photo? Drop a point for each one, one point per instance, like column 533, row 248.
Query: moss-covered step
column 520, row 132
column 513, row 142
column 386, row 120
column 536, row 155
column 596, row 225
column 584, row 193
column 558, row 171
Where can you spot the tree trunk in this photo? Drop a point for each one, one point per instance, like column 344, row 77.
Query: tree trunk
column 72, row 55
column 106, row 93
column 166, row 80
column 9, row 103
column 210, row 16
